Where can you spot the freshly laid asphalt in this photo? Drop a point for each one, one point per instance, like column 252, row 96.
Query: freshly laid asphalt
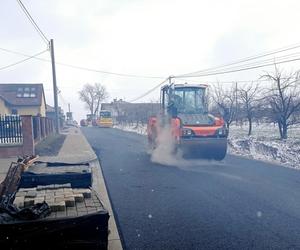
column 234, row 204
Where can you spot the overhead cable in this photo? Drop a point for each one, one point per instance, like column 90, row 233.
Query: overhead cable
column 24, row 60
column 238, row 70
column 149, row 91
column 86, row 69
column 255, row 63
column 280, row 50
column 34, row 24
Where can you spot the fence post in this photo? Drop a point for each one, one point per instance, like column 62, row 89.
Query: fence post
column 28, row 140
column 37, row 133
column 43, row 127
column 46, row 126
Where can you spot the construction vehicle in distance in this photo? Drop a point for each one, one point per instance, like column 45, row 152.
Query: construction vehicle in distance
column 184, row 114
column 105, row 119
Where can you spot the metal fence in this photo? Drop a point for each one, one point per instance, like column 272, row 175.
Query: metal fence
column 11, row 129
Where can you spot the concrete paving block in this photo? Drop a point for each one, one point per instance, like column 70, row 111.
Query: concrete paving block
column 68, row 194
column 72, row 214
column 67, row 190
column 60, row 214
column 39, row 200
column 80, row 204
column 85, row 191
column 81, row 213
column 70, row 201
column 57, row 206
column 31, row 194
column 61, row 206
column 40, row 195
column 92, row 210
column 20, row 193
column 59, row 195
column 28, row 202
column 59, row 199
column 59, row 192
column 39, row 192
column 78, row 197
column 49, row 200
column 71, row 209
column 19, row 201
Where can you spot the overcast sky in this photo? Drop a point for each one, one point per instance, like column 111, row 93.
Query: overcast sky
column 144, row 37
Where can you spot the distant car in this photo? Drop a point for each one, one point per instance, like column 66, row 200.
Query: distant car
column 83, row 123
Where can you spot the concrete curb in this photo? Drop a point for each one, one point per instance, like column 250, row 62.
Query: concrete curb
column 114, row 241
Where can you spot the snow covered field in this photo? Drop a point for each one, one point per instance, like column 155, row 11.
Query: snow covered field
column 264, row 144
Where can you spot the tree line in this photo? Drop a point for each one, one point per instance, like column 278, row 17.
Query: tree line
column 278, row 103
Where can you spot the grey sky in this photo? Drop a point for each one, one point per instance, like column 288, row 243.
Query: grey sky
column 148, row 37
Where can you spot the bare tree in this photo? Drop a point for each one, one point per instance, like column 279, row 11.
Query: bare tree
column 249, row 100
column 92, row 96
column 225, row 99
column 283, row 98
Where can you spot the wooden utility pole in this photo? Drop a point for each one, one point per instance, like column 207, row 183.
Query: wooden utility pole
column 55, row 92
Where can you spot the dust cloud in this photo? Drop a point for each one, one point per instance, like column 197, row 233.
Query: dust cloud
column 165, row 153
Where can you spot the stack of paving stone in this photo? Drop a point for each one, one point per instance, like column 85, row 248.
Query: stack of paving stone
column 62, row 199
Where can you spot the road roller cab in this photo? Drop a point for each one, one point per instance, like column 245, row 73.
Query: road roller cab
column 184, row 113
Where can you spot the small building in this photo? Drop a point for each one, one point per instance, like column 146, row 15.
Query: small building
column 123, row 111
column 22, row 99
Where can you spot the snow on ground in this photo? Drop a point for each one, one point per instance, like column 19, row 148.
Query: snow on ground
column 140, row 128
column 264, row 144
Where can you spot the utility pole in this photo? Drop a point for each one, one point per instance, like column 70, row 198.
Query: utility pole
column 56, row 122
column 69, row 107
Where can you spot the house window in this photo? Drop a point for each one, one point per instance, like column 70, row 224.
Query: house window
column 27, row 92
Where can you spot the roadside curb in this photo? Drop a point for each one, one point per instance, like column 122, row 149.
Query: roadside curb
column 114, row 240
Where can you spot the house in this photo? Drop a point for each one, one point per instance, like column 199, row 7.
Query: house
column 123, row 111
column 22, row 99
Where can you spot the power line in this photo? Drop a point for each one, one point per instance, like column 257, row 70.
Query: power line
column 215, row 82
column 86, row 69
column 109, row 72
column 30, row 18
column 149, row 91
column 280, row 50
column 273, row 60
column 26, row 59
column 241, row 69
column 216, row 73
column 255, row 63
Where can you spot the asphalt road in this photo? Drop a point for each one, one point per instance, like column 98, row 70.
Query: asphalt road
column 235, row 204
